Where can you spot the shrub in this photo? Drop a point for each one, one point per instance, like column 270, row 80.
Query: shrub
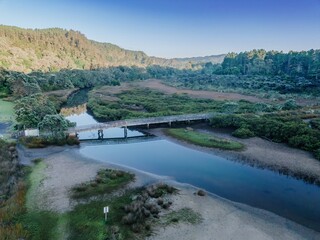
column 243, row 133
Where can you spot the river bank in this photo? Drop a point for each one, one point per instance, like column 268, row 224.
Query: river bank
column 259, row 153
column 222, row 219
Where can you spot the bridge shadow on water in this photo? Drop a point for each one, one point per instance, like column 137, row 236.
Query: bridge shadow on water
column 120, row 140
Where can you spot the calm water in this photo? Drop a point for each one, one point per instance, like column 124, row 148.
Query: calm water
column 285, row 196
column 264, row 189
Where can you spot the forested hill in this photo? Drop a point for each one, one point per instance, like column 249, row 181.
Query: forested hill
column 260, row 62
column 27, row 50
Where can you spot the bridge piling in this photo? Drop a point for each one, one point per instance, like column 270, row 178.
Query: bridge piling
column 125, row 132
column 100, row 134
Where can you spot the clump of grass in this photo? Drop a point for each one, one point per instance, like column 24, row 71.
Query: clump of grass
column 106, row 181
column 128, row 218
column 86, row 221
column 186, row 215
column 204, row 139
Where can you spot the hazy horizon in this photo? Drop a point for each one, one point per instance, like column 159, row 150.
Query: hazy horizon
column 178, row 29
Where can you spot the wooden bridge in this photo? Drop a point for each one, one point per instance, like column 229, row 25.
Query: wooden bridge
column 140, row 122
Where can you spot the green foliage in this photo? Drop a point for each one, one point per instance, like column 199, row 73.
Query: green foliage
column 290, row 105
column 243, row 133
column 106, row 181
column 204, row 139
column 10, row 169
column 32, row 109
column 86, row 221
column 68, row 50
column 276, row 127
column 42, row 142
column 40, row 224
column 6, row 111
column 138, row 103
column 55, row 125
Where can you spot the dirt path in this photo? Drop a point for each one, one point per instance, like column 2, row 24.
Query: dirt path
column 158, row 85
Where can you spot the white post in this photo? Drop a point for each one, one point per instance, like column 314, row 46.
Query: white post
column 105, row 211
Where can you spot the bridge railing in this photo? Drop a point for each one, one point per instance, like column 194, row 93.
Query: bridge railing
column 142, row 121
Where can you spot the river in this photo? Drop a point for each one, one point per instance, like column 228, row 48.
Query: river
column 286, row 196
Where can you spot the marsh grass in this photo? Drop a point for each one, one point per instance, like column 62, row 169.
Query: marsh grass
column 185, row 215
column 204, row 139
column 106, row 181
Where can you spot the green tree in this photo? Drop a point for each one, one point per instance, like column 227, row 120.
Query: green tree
column 55, row 125
column 32, row 109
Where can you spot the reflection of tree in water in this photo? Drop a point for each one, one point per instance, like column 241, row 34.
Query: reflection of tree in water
column 74, row 110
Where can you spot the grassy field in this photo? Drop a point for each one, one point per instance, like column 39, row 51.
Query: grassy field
column 203, row 139
column 6, row 111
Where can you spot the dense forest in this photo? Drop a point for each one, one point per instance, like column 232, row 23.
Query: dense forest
column 53, row 49
column 293, row 72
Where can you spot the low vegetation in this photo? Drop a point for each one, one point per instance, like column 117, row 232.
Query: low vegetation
column 183, row 215
column 42, row 142
column 203, row 139
column 106, row 181
column 6, row 111
column 131, row 213
column 282, row 128
column 140, row 102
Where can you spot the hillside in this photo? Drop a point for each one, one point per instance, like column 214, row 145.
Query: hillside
column 26, row 50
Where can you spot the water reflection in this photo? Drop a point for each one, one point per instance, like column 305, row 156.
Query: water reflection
column 80, row 116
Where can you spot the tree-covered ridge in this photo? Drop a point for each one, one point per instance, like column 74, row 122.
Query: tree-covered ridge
column 260, row 62
column 256, row 71
column 53, row 49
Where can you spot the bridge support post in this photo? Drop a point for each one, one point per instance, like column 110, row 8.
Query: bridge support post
column 100, row 134
column 125, row 132
column 169, row 123
column 148, row 125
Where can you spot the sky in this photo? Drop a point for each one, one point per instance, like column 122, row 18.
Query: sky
column 177, row 28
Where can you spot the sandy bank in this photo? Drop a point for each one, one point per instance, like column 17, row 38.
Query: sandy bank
column 222, row 219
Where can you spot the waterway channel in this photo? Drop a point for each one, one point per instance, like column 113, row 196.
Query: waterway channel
column 283, row 195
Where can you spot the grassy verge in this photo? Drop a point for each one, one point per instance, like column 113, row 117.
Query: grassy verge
column 6, row 111
column 106, row 181
column 35, row 178
column 203, row 139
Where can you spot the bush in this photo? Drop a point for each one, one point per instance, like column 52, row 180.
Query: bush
column 72, row 140
column 243, row 133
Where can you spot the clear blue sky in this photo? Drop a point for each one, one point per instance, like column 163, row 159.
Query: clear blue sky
column 177, row 28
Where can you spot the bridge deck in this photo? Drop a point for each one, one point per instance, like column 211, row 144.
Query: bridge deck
column 142, row 121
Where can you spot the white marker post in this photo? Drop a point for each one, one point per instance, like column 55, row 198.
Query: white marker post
column 105, row 211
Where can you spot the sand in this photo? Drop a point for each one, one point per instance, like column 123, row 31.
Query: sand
column 222, row 219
